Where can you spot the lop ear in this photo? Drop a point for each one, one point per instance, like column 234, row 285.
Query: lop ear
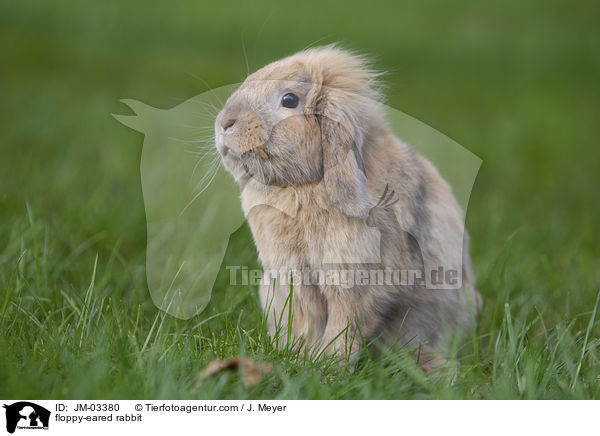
column 343, row 168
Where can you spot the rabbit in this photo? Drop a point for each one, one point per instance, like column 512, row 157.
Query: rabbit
column 326, row 187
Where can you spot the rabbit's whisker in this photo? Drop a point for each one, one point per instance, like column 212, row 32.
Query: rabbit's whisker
column 214, row 171
column 207, row 85
column 211, row 167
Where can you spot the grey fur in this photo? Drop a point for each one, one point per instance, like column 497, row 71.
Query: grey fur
column 344, row 194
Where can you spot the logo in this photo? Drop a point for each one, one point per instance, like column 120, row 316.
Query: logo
column 192, row 202
column 26, row 415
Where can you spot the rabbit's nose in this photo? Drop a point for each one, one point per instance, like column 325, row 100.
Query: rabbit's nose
column 226, row 124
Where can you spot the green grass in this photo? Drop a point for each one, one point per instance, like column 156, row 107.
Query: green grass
column 514, row 82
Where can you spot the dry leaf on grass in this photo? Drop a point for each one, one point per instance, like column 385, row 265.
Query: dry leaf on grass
column 251, row 371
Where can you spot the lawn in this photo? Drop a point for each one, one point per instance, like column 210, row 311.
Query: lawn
column 515, row 82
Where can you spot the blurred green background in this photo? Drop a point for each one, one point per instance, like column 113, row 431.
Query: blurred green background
column 515, row 82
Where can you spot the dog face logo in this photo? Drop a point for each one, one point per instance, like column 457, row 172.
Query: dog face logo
column 26, row 415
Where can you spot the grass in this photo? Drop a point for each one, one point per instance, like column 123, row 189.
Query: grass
column 514, row 82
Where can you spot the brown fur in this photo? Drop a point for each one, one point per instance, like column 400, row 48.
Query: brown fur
column 312, row 181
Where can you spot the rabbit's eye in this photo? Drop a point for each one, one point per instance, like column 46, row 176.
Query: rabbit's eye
column 289, row 100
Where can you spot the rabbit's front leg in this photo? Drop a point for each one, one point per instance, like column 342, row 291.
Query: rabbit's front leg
column 350, row 318
column 308, row 314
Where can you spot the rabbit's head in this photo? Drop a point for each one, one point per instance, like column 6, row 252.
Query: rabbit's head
column 304, row 119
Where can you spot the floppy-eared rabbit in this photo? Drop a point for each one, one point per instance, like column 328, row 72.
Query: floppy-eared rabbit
column 329, row 193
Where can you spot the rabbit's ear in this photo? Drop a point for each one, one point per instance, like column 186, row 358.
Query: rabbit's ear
column 343, row 169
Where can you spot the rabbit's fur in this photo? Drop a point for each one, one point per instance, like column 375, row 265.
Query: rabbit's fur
column 326, row 186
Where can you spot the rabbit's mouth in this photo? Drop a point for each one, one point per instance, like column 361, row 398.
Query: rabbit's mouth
column 244, row 158
column 253, row 163
column 240, row 152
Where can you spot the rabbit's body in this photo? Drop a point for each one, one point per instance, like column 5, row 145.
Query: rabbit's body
column 351, row 199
